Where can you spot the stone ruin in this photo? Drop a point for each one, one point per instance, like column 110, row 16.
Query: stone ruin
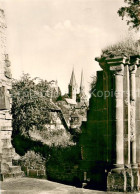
column 111, row 136
column 110, row 140
column 7, row 152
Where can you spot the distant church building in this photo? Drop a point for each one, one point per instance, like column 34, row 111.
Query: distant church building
column 81, row 97
column 72, row 93
column 74, row 105
column 72, row 87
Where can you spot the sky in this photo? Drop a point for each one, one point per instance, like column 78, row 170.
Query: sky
column 48, row 38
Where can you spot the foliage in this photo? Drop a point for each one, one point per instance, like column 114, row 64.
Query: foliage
column 132, row 12
column 30, row 104
column 32, row 156
column 57, row 137
column 93, row 84
column 59, row 156
column 32, row 112
column 126, row 47
column 35, row 132
column 24, row 144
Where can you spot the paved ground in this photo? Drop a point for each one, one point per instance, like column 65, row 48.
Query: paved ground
column 38, row 186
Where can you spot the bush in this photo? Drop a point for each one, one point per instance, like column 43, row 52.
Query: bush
column 52, row 137
column 32, row 157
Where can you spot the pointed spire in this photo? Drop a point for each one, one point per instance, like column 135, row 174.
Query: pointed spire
column 73, row 80
column 82, row 81
column 82, row 95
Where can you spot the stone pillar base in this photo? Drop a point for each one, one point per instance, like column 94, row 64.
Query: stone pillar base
column 116, row 180
column 129, row 179
column 135, row 175
column 123, row 180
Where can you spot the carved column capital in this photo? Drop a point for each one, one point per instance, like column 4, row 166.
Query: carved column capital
column 133, row 69
column 133, row 64
column 115, row 64
column 118, row 69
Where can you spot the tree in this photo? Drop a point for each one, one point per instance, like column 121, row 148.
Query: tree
column 132, row 12
column 30, row 104
column 93, row 84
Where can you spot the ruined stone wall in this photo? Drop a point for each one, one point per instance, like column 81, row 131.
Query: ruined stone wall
column 5, row 81
column 110, row 137
column 97, row 148
column 7, row 152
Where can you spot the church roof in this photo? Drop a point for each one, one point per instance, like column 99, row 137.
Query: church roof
column 52, row 106
column 70, row 101
column 79, row 105
column 73, row 80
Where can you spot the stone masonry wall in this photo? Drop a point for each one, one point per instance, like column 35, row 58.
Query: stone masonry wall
column 7, row 152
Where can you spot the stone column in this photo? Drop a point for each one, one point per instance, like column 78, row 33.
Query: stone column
column 119, row 118
column 126, row 99
column 116, row 65
column 133, row 70
column 116, row 180
column 135, row 172
column 119, row 70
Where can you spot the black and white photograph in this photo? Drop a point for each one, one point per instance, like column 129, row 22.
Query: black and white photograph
column 69, row 96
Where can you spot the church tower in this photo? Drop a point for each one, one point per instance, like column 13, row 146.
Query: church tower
column 72, row 87
column 82, row 88
column 82, row 95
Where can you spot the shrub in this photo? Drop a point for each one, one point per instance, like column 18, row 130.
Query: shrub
column 31, row 156
column 127, row 47
column 52, row 137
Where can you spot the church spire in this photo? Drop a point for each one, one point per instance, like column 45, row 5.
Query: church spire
column 82, row 82
column 82, row 95
column 73, row 80
column 72, row 86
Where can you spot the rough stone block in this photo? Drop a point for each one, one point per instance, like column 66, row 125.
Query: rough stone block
column 6, row 160
column 135, row 174
column 6, row 143
column 129, row 179
column 2, row 116
column 4, row 100
column 8, row 116
column 116, row 181
column 15, row 169
column 8, row 151
column 4, row 167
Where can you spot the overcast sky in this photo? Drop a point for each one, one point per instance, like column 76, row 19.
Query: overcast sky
column 47, row 38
